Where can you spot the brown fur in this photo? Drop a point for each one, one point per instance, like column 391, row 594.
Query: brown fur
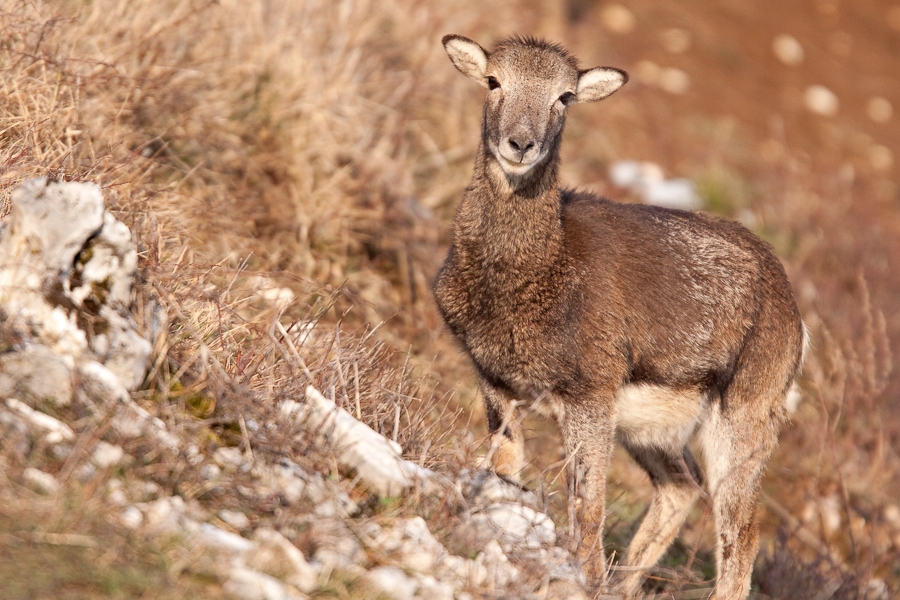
column 603, row 308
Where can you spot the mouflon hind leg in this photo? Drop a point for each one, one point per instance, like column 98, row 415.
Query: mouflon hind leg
column 676, row 481
column 737, row 439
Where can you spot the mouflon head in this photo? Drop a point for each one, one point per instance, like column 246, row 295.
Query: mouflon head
column 530, row 84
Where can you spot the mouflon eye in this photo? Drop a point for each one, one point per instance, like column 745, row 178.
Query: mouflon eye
column 567, row 98
column 492, row 82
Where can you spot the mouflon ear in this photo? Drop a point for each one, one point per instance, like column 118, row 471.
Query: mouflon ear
column 467, row 56
column 598, row 83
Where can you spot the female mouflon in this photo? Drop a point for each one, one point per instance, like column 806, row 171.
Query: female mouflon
column 634, row 324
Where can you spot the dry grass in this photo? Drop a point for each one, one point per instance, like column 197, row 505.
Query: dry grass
column 289, row 170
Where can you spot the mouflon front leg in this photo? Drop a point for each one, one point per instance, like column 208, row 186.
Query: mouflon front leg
column 506, row 437
column 589, row 434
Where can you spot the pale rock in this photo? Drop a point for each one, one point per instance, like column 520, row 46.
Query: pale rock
column 107, row 455
column 880, row 157
column 53, row 430
column 36, row 373
column 275, row 555
column 461, row 572
column 229, row 458
column 14, row 432
column 500, row 572
column 616, row 18
column 675, row 81
column 246, row 584
column 787, row 49
column 236, row 519
column 84, row 472
column 877, row 589
column 40, row 481
column 412, row 544
column 131, row 517
column 210, row 471
column 164, row 514
column 559, row 565
column 482, row 488
column 432, row 589
column 393, row 582
column 215, row 540
column 821, row 101
column 115, row 493
column 677, row 193
column 517, row 525
column 60, row 253
column 892, row 515
column 337, row 547
column 879, row 109
column 376, row 460
column 646, row 179
column 634, row 175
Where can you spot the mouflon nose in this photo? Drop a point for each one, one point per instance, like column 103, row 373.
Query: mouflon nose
column 518, row 147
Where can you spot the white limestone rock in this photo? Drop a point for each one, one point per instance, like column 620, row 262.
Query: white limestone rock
column 37, row 374
column 63, row 257
column 517, row 526
column 246, row 584
column 52, row 430
column 360, row 449
column 40, row 481
column 275, row 555
column 393, row 582
column 482, row 488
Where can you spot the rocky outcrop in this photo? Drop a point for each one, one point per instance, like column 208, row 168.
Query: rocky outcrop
column 70, row 346
column 66, row 271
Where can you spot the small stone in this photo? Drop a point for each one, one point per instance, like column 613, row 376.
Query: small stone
column 787, row 49
column 877, row 589
column 393, row 582
column 37, row 373
column 55, row 431
column 115, row 492
column 247, row 584
column 107, row 455
column 275, row 555
column 39, row 481
column 518, row 525
column 821, row 101
column 677, row 193
column 675, row 81
column 431, row 588
column 131, row 517
column 500, row 572
column 617, row 19
column 230, row 459
column 210, row 471
column 879, row 109
column 236, row 519
column 892, row 515
column 410, row 541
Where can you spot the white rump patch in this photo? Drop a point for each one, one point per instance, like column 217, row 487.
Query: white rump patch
column 652, row 415
column 598, row 83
